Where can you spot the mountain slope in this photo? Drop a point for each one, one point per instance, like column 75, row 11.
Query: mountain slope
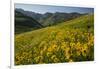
column 25, row 23
column 34, row 15
column 70, row 41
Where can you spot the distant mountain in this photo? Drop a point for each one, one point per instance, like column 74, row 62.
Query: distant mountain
column 58, row 17
column 48, row 18
column 25, row 23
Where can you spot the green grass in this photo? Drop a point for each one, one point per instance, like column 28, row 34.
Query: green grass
column 70, row 41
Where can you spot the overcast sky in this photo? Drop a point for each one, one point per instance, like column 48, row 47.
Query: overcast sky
column 46, row 8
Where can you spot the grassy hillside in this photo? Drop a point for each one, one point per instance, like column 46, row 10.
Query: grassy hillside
column 70, row 41
column 24, row 23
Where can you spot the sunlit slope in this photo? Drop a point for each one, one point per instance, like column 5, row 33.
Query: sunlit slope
column 70, row 41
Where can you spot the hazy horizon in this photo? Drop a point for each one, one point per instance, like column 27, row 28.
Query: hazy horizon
column 53, row 9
